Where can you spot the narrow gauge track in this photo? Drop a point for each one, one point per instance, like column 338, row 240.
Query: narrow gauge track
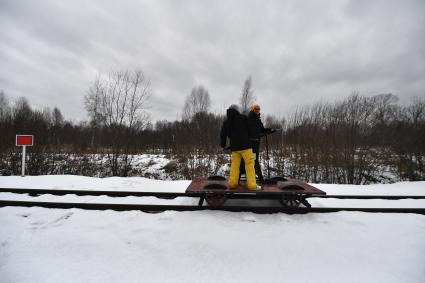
column 170, row 195
column 160, row 208
column 167, row 195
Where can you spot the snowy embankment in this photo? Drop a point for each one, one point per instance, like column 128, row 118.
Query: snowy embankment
column 65, row 182
column 73, row 245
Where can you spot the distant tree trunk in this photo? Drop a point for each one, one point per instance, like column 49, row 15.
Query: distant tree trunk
column 247, row 96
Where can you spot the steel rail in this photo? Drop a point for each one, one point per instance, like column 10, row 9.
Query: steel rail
column 161, row 208
column 395, row 197
column 166, row 195
column 171, row 195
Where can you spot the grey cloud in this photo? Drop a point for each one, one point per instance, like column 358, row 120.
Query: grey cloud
column 296, row 51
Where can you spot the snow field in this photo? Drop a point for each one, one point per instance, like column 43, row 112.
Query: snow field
column 73, row 245
column 54, row 245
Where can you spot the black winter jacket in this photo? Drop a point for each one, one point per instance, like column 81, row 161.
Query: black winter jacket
column 256, row 130
column 236, row 128
column 256, row 127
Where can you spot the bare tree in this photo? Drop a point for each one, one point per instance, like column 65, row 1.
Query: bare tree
column 5, row 124
column 92, row 105
column 247, row 96
column 118, row 103
column 198, row 101
column 22, row 112
column 57, row 118
column 4, row 106
column 92, row 101
column 119, row 100
column 384, row 108
column 415, row 112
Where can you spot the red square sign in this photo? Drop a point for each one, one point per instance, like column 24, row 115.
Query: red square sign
column 24, row 140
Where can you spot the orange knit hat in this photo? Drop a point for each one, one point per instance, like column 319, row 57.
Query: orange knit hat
column 253, row 106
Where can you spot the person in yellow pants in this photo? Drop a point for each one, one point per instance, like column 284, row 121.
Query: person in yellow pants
column 248, row 158
column 235, row 127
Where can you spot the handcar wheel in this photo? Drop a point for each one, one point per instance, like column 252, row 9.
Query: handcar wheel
column 216, row 178
column 290, row 201
column 215, row 199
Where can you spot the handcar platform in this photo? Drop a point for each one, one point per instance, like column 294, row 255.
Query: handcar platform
column 290, row 192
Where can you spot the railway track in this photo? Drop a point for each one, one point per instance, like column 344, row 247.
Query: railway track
column 170, row 195
column 160, row 208
column 167, row 195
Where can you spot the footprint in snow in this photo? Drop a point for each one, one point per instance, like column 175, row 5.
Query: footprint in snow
column 56, row 222
column 38, row 225
column 24, row 215
column 249, row 219
column 62, row 218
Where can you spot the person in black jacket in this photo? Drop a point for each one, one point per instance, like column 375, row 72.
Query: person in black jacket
column 256, row 131
column 235, row 127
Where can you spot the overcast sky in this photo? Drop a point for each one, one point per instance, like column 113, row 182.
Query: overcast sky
column 297, row 52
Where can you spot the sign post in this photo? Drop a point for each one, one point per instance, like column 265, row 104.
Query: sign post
column 24, row 141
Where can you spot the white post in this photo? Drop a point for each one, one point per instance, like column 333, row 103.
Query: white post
column 23, row 160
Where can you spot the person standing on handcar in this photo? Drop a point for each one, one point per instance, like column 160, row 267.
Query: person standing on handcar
column 256, row 131
column 235, row 127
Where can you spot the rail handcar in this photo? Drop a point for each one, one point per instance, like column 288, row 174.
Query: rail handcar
column 291, row 192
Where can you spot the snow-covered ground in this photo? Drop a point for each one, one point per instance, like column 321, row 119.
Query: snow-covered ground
column 73, row 245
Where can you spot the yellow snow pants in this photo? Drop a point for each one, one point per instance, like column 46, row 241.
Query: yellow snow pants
column 248, row 158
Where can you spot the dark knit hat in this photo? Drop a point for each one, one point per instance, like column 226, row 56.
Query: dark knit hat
column 234, row 107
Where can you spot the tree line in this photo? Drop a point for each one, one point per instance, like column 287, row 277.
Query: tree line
column 356, row 140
